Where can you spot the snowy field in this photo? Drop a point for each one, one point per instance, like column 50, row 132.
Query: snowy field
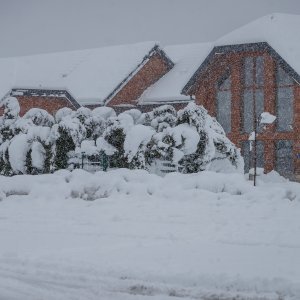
column 133, row 235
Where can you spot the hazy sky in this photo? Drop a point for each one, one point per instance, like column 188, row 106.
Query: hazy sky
column 34, row 26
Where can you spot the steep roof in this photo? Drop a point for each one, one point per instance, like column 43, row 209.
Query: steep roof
column 275, row 33
column 95, row 75
column 280, row 31
column 89, row 75
column 186, row 60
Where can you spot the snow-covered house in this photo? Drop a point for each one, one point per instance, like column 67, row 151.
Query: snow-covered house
column 259, row 61
column 112, row 75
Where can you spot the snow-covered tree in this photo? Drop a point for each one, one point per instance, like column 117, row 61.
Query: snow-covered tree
column 67, row 134
column 160, row 118
column 38, row 143
column 39, row 117
column 135, row 145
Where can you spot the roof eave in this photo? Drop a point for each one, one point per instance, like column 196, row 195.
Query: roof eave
column 259, row 46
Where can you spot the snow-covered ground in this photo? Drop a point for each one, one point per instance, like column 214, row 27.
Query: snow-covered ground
column 200, row 236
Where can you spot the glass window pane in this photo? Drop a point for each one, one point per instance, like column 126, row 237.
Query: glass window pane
column 285, row 111
column 284, row 157
column 225, row 83
column 282, row 77
column 248, row 108
column 248, row 111
column 249, row 65
column 248, row 155
column 259, row 71
column 224, row 109
column 260, row 161
column 259, row 98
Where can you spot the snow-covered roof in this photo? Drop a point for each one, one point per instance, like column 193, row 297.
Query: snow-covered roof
column 280, row 31
column 187, row 59
column 89, row 75
column 95, row 75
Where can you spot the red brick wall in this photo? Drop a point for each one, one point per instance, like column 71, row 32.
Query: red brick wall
column 50, row 104
column 153, row 70
column 205, row 93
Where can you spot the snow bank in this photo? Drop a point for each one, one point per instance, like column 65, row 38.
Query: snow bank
column 81, row 184
column 198, row 236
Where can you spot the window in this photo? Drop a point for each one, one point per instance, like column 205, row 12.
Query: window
column 248, row 155
column 253, row 91
column 285, row 100
column 284, row 157
column 223, row 103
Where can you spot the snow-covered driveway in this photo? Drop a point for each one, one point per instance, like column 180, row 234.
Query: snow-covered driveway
column 204, row 236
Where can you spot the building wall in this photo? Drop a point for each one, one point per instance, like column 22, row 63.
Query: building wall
column 50, row 104
column 153, row 70
column 205, row 93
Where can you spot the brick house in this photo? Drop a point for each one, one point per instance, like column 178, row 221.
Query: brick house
column 116, row 75
column 257, row 63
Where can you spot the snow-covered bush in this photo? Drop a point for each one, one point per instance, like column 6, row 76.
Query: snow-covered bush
column 62, row 113
column 115, row 134
column 37, row 143
column 67, row 134
column 39, row 117
column 160, row 118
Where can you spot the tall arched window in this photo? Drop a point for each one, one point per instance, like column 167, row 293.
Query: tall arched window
column 285, row 100
column 223, row 102
column 253, row 91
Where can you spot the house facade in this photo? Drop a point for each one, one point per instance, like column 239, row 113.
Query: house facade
column 247, row 72
column 239, row 82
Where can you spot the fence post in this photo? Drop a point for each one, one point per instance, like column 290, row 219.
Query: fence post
column 82, row 158
column 104, row 161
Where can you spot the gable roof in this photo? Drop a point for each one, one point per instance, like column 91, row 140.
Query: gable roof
column 276, row 34
column 280, row 31
column 94, row 76
column 153, row 51
column 186, row 60
column 89, row 75
column 261, row 46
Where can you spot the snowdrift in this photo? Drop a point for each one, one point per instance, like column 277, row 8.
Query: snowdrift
column 134, row 235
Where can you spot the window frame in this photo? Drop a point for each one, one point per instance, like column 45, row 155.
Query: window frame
column 254, row 88
column 219, row 89
column 281, row 86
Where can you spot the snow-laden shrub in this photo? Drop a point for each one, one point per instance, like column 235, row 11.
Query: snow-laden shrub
column 17, row 151
column 10, row 116
column 11, row 108
column 39, row 117
column 95, row 126
column 135, row 145
column 67, row 134
column 212, row 144
column 134, row 113
column 104, row 112
column 62, row 113
column 82, row 114
column 160, row 118
column 190, row 139
column 115, row 134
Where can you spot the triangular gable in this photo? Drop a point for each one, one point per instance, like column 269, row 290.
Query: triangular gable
column 154, row 51
column 262, row 46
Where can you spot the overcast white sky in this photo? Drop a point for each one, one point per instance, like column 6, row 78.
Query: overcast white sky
column 35, row 26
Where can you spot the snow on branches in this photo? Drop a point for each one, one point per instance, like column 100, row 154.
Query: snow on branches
column 38, row 143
